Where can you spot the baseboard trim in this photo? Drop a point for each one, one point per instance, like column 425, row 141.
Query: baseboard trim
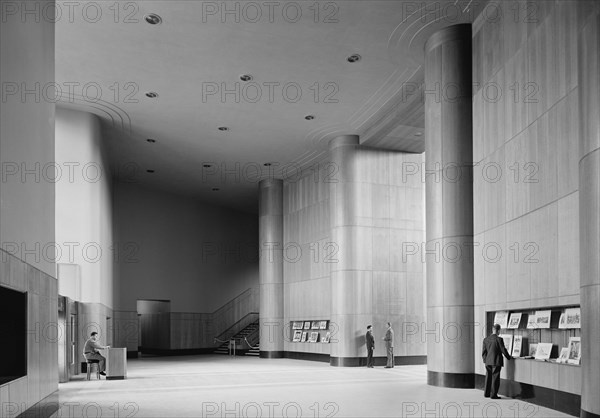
column 568, row 403
column 42, row 409
column 176, row 352
column 270, row 354
column 451, row 380
column 586, row 414
column 299, row 355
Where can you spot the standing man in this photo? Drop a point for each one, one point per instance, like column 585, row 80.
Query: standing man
column 370, row 345
column 90, row 353
column 493, row 349
column 389, row 345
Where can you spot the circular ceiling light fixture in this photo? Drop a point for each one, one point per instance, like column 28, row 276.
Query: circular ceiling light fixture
column 419, row 134
column 246, row 77
column 309, row 117
column 354, row 58
column 267, row 164
column 150, row 171
column 152, row 141
column 223, row 128
column 206, row 165
column 215, row 189
column 152, row 94
column 153, row 19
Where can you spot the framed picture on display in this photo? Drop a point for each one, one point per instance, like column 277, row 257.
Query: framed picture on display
column 531, row 321
column 297, row 336
column 573, row 317
column 517, row 344
column 297, row 325
column 307, row 325
column 543, row 351
column 542, row 319
column 564, row 355
column 532, row 350
column 515, row 320
column 303, row 339
column 315, row 325
column 574, row 350
column 327, row 337
column 508, row 341
column 562, row 322
column 314, row 337
column 323, row 325
column 501, row 318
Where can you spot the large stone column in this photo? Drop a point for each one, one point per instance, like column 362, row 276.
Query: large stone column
column 270, row 230
column 589, row 212
column 449, row 207
column 350, row 285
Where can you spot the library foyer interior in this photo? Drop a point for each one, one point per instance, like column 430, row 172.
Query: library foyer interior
column 427, row 168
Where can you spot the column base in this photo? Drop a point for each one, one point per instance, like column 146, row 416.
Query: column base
column 379, row 361
column 270, row 354
column 586, row 414
column 451, row 380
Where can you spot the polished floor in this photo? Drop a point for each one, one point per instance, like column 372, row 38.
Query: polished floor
column 222, row 386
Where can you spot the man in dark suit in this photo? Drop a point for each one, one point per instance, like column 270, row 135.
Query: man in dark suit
column 370, row 345
column 389, row 345
column 493, row 349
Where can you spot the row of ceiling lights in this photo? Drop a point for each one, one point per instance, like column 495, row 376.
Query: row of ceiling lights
column 154, row 19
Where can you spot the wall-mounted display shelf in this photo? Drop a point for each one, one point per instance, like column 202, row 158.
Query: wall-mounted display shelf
column 546, row 334
column 310, row 331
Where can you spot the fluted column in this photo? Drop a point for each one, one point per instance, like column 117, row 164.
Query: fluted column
column 350, row 281
column 449, row 206
column 589, row 212
column 270, row 266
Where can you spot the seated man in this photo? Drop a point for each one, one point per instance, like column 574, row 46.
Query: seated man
column 90, row 353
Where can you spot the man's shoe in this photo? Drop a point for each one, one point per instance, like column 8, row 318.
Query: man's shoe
column 486, row 396
column 388, row 367
column 496, row 397
column 103, row 374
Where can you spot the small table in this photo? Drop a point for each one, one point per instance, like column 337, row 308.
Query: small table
column 116, row 363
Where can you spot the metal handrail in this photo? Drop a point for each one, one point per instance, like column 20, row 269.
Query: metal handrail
column 250, row 345
column 228, row 330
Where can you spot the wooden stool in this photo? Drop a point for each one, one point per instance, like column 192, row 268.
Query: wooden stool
column 90, row 364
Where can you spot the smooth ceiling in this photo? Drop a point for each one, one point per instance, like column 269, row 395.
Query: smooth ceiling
column 108, row 57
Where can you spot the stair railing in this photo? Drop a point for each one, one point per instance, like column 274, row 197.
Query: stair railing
column 229, row 334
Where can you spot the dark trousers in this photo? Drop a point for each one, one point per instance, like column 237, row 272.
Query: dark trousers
column 492, row 380
column 100, row 358
column 370, row 357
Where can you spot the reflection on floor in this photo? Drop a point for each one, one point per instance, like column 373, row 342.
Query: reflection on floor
column 219, row 386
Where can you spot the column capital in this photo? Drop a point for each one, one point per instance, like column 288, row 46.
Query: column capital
column 447, row 34
column 344, row 140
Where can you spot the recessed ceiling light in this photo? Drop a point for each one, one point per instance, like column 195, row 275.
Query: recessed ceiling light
column 215, row 189
column 246, row 77
column 267, row 164
column 354, row 58
column 153, row 19
column 152, row 141
column 223, row 128
column 309, row 117
column 152, row 94
column 150, row 171
column 206, row 165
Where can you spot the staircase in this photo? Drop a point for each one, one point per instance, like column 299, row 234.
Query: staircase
column 240, row 341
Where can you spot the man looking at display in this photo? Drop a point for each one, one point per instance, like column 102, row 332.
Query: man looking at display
column 493, row 349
